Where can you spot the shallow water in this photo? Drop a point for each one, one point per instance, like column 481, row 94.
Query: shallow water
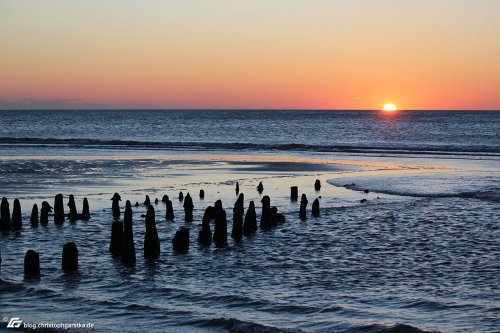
column 420, row 255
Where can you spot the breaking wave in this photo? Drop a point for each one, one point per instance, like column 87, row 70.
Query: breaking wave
column 479, row 150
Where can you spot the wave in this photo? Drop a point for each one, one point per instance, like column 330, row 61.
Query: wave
column 233, row 325
column 492, row 195
column 436, row 306
column 154, row 145
column 239, row 326
column 397, row 328
column 10, row 287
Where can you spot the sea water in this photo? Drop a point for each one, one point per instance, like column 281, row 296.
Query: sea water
column 419, row 254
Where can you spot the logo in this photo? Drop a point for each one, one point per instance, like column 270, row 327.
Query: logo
column 14, row 322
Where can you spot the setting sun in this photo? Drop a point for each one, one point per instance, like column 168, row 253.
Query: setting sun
column 389, row 107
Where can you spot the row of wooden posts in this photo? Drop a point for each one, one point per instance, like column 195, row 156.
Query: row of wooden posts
column 122, row 239
column 16, row 222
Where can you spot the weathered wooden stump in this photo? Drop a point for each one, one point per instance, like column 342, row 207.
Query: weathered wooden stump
column 44, row 213
column 180, row 242
column 128, row 247
column 205, row 234
column 265, row 218
column 303, row 206
column 85, row 210
column 238, row 212
column 17, row 217
column 34, row 217
column 317, row 185
column 220, row 228
column 188, row 208
column 294, row 193
column 116, row 205
column 260, row 187
column 5, row 221
column 250, row 224
column 70, row 257
column 315, row 208
column 59, row 209
column 151, row 240
column 31, row 264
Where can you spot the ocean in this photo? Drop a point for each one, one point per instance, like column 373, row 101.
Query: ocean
column 407, row 239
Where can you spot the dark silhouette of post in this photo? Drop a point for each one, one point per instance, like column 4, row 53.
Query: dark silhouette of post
column 147, row 202
column 205, row 234
column 274, row 220
column 5, row 221
column 73, row 214
column 151, row 240
column 238, row 212
column 250, row 224
column 70, row 257
column 303, row 206
column 294, row 193
column 128, row 247
column 181, row 196
column 17, row 217
column 265, row 218
column 85, row 210
column 31, row 264
column 59, row 209
column 280, row 218
column 315, row 208
column 202, row 194
column 180, row 242
column 237, row 189
column 188, row 208
column 116, row 205
column 34, row 217
column 44, row 213
column 220, row 228
column 115, row 247
column 169, row 214
column 317, row 185
column 156, row 201
column 260, row 187
column 164, row 198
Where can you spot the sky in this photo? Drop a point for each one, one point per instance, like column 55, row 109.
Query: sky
column 258, row 54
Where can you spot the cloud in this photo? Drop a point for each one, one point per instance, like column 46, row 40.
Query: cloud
column 50, row 104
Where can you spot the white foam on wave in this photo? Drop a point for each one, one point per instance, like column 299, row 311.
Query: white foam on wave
column 427, row 185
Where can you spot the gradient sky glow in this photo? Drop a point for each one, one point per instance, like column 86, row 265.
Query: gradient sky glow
column 321, row 54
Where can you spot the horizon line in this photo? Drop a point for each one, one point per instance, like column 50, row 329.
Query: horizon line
column 227, row 109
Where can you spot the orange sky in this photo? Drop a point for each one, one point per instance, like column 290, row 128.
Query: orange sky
column 321, row 54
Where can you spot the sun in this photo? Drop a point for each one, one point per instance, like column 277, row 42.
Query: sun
column 389, row 107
